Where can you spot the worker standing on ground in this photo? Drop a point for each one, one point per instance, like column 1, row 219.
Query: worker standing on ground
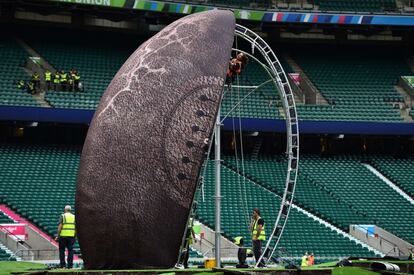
column 257, row 227
column 304, row 261
column 311, row 260
column 190, row 238
column 66, row 236
column 242, row 252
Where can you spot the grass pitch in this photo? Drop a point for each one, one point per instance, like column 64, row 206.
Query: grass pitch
column 361, row 267
column 6, row 268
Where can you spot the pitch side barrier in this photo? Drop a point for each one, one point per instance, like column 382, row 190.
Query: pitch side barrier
column 72, row 116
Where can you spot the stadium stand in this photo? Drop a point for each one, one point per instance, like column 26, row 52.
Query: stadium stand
column 97, row 63
column 340, row 189
column 39, row 180
column 6, row 256
column 358, row 86
column 357, row 5
column 5, row 219
column 95, row 58
column 301, row 234
column 397, row 170
column 260, row 102
column 345, row 176
column 12, row 58
column 312, row 196
column 357, row 82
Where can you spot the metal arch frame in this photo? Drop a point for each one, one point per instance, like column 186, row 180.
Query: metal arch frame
column 292, row 130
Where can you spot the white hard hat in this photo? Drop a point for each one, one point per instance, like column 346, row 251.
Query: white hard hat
column 68, row 208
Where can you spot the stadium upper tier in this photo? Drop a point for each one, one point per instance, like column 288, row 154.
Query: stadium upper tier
column 97, row 62
column 358, row 82
column 96, row 59
column 38, row 181
column 12, row 58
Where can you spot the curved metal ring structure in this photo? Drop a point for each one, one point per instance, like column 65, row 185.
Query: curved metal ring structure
column 292, row 130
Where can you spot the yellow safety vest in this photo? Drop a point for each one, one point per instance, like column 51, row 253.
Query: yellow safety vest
column 262, row 235
column 68, row 225
column 48, row 76
column 63, row 77
column 20, row 84
column 76, row 77
column 56, row 79
column 304, row 261
column 190, row 235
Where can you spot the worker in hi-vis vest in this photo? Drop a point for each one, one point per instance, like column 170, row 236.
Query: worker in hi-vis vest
column 56, row 80
column 304, row 260
column 48, row 79
column 257, row 227
column 63, row 80
column 66, row 236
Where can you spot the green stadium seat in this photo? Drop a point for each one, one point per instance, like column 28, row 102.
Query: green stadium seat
column 12, row 58
column 358, row 83
column 302, row 233
column 398, row 170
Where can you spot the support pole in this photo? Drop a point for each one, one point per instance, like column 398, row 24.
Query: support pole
column 217, row 155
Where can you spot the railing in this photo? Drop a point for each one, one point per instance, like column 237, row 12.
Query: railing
column 408, row 88
column 35, row 254
column 8, row 237
column 206, row 245
column 12, row 242
column 381, row 240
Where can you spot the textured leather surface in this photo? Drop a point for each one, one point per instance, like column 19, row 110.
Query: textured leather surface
column 146, row 144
